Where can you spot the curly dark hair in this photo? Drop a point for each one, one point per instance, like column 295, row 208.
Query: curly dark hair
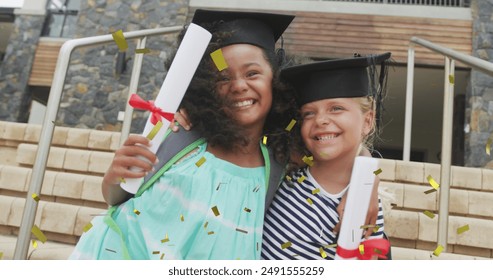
column 206, row 109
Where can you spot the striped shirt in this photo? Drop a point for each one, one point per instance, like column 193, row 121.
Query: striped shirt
column 300, row 220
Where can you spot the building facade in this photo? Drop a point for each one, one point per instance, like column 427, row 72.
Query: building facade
column 96, row 86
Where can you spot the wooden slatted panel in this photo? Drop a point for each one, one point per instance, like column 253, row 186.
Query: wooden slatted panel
column 44, row 63
column 335, row 35
column 331, row 35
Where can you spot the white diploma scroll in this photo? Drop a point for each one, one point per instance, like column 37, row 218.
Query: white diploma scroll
column 357, row 203
column 173, row 89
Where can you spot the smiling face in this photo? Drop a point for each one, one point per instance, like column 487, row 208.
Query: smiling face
column 246, row 85
column 334, row 128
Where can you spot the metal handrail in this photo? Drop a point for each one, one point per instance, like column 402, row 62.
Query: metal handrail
column 29, row 214
column 448, row 111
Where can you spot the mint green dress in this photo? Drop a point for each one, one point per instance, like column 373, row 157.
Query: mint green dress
column 208, row 211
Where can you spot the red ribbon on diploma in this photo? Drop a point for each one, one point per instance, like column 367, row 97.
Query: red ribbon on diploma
column 156, row 112
column 372, row 247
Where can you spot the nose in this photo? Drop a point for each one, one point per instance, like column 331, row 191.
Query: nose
column 238, row 85
column 322, row 119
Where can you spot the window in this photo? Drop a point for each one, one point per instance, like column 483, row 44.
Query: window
column 61, row 19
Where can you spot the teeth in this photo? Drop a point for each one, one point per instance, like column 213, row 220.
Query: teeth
column 243, row 103
column 326, row 137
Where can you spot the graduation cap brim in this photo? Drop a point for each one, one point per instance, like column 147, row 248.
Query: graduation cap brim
column 259, row 29
column 338, row 78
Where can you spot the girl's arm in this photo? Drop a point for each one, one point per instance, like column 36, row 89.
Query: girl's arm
column 125, row 158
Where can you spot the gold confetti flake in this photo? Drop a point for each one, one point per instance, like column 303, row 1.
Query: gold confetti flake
column 378, row 171
column 219, row 61
column 432, row 182
column 210, row 233
column 430, row 215
column 376, row 228
column 1, row 255
column 361, row 248
column 308, row 160
column 166, row 239
column 137, row 212
column 301, row 179
column 35, row 197
column 451, row 79
column 241, row 230
column 330, row 246
column 247, row 210
column 215, row 211
column 122, row 180
column 315, row 191
column 87, row 227
column 120, row 40
column 35, row 244
column 256, row 189
column 309, row 201
column 200, row 161
column 144, row 50
column 182, row 218
column 462, row 229
column 438, row 250
column 39, row 234
column 162, row 256
column 113, row 251
column 154, row 130
column 205, row 225
column 155, row 252
column 488, row 146
column 322, row 252
column 430, row 191
column 286, row 245
column 367, row 226
column 290, row 125
column 289, row 178
column 264, row 140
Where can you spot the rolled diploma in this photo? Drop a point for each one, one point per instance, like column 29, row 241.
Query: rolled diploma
column 357, row 203
column 173, row 89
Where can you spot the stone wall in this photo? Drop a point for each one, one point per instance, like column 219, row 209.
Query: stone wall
column 16, row 66
column 94, row 93
column 479, row 99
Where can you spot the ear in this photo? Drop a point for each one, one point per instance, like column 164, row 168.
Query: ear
column 369, row 123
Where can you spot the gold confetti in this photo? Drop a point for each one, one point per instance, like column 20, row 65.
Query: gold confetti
column 210, row 233
column 39, row 234
column 438, row 250
column 288, row 178
column 241, row 230
column 429, row 214
column 488, row 146
column 451, row 79
column 35, row 197
column 286, row 245
column 361, row 249
column 137, row 212
column 35, row 244
column 462, row 229
column 205, row 225
column 256, row 189
column 378, row 171
column 301, row 179
column 145, row 50
column 308, row 160
column 290, row 125
column 215, row 211
column 200, row 161
column 219, row 61
column 309, row 201
column 155, row 252
column 87, row 227
column 154, row 130
column 430, row 191
column 166, row 239
column 113, row 251
column 120, row 40
column 315, row 191
column 376, row 228
column 182, row 218
column 1, row 255
column 162, row 256
column 330, row 246
column 247, row 210
column 367, row 226
column 432, row 182
column 122, row 180
column 322, row 252
column 264, row 140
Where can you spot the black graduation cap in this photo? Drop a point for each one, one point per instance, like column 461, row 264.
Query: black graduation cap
column 259, row 29
column 352, row 77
